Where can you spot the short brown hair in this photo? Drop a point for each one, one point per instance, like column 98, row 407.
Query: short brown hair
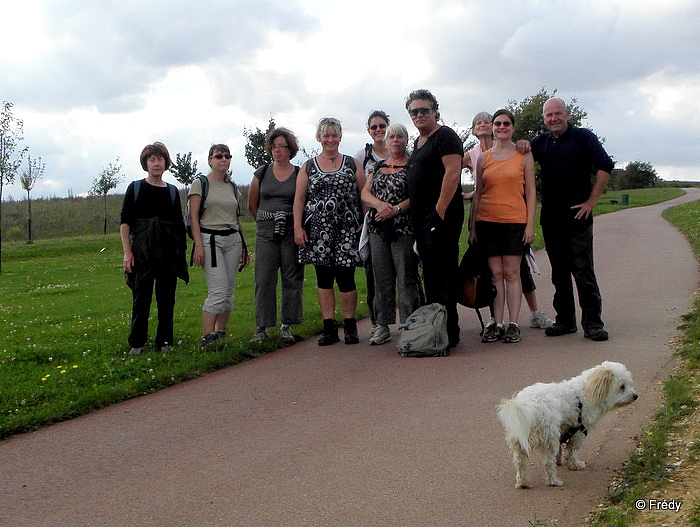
column 288, row 136
column 220, row 147
column 155, row 149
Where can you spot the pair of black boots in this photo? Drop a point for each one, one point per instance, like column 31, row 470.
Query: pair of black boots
column 330, row 332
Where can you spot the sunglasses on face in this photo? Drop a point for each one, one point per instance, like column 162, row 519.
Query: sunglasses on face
column 377, row 126
column 419, row 111
column 505, row 124
column 221, row 156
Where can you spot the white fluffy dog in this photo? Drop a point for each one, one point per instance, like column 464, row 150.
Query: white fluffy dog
column 550, row 416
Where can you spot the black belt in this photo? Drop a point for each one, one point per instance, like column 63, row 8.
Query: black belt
column 212, row 240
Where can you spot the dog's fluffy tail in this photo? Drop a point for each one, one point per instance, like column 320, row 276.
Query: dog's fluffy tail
column 516, row 422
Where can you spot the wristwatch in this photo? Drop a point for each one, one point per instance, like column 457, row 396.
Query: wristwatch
column 398, row 208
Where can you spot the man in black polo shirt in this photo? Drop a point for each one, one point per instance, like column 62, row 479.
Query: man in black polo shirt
column 568, row 158
column 437, row 208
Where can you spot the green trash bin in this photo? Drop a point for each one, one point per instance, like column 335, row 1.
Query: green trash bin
column 625, row 199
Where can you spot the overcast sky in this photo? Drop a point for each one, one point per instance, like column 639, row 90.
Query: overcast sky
column 96, row 81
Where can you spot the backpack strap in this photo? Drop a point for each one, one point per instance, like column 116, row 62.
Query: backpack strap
column 173, row 193
column 137, row 188
column 172, row 188
column 262, row 173
column 368, row 155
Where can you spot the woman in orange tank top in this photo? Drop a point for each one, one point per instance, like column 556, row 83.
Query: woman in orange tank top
column 503, row 221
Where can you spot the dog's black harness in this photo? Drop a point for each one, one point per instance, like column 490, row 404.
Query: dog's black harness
column 566, row 436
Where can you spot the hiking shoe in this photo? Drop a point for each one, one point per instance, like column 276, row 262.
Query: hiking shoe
column 539, row 319
column 381, row 335
column 596, row 333
column 512, row 334
column 208, row 340
column 286, row 334
column 492, row 333
column 330, row 333
column 165, row 348
column 136, row 351
column 350, row 329
column 260, row 335
column 557, row 329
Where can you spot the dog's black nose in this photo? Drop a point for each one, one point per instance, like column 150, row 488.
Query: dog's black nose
column 636, row 396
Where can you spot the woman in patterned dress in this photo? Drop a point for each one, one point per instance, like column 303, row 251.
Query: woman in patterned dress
column 327, row 220
column 391, row 236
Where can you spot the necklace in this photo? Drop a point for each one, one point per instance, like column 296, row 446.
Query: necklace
column 331, row 159
column 393, row 165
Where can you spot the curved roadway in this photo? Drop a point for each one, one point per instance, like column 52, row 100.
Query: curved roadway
column 357, row 435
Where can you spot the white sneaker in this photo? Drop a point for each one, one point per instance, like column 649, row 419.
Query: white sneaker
column 286, row 334
column 135, row 351
column 539, row 319
column 381, row 335
column 260, row 335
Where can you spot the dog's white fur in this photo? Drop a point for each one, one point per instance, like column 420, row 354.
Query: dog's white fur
column 539, row 415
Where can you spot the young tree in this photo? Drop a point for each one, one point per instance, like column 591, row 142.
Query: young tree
column 184, row 169
column 11, row 130
column 110, row 176
column 255, row 148
column 33, row 173
column 528, row 114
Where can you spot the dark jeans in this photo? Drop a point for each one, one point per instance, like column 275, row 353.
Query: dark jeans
column 275, row 256
column 165, row 285
column 438, row 248
column 569, row 245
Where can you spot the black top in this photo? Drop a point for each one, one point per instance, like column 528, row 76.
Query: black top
column 567, row 164
column 426, row 172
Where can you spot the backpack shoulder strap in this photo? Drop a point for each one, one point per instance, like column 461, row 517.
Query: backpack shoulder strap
column 261, row 176
column 368, row 155
column 137, row 188
column 173, row 193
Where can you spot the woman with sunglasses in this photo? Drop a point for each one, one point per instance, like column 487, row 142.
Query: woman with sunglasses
column 482, row 129
column 218, row 241
column 271, row 201
column 503, row 221
column 372, row 154
column 327, row 220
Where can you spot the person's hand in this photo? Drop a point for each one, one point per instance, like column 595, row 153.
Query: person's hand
column 128, row 261
column 441, row 213
column 472, row 237
column 523, row 146
column 198, row 255
column 300, row 237
column 529, row 235
column 585, row 209
column 245, row 260
column 385, row 211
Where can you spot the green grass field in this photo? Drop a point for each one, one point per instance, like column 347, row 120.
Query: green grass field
column 66, row 312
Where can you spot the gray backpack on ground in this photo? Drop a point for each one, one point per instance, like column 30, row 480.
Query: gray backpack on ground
column 425, row 333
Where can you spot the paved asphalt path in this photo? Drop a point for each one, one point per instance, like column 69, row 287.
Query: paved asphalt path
column 357, row 435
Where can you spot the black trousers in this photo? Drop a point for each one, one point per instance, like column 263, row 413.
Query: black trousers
column 569, row 245
column 165, row 285
column 438, row 248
